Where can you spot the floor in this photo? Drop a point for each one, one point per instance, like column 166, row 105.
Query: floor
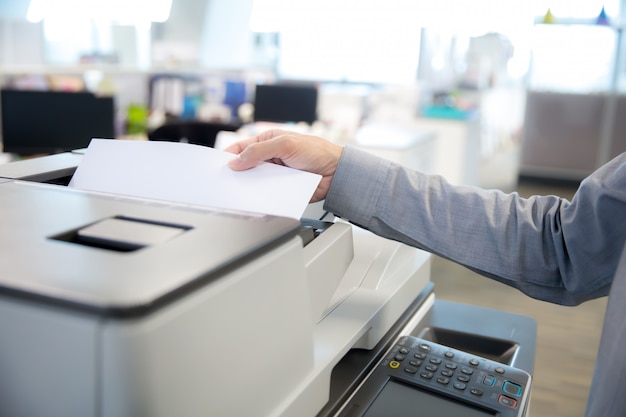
column 567, row 338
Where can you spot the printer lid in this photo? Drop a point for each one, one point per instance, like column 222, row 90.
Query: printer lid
column 45, row 259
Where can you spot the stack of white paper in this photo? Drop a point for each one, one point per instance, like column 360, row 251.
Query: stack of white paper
column 192, row 174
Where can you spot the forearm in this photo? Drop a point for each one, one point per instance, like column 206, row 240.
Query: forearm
column 531, row 244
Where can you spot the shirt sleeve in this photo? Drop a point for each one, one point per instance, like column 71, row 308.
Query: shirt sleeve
column 548, row 247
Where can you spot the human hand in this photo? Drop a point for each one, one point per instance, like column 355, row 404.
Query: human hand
column 295, row 150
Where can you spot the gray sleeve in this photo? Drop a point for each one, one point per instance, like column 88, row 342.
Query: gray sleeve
column 550, row 248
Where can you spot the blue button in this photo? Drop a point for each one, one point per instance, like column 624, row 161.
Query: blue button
column 511, row 388
column 489, row 380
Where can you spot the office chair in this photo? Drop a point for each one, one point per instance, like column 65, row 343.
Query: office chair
column 191, row 131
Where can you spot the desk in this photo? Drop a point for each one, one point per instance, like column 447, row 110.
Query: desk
column 412, row 147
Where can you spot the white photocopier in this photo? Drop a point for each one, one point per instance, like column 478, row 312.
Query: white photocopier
column 118, row 306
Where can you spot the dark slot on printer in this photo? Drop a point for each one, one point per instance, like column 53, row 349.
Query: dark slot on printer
column 122, row 234
column 311, row 228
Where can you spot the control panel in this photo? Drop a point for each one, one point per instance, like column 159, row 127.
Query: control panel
column 417, row 374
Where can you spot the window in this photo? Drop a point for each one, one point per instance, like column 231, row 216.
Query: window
column 379, row 40
column 351, row 40
column 83, row 30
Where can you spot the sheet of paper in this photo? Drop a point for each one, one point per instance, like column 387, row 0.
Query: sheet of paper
column 192, row 174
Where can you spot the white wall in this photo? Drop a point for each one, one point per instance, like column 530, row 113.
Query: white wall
column 227, row 42
column 178, row 40
column 21, row 42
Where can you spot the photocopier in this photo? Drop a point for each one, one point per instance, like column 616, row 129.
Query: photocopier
column 112, row 306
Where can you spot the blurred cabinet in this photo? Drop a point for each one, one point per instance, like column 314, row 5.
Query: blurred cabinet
column 563, row 134
column 571, row 123
column 457, row 151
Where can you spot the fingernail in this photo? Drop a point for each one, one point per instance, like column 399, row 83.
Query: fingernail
column 235, row 162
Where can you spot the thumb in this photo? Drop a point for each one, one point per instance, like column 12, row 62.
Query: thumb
column 241, row 163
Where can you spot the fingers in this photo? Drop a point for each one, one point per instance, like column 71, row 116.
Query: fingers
column 303, row 152
column 238, row 147
column 307, row 153
column 242, row 161
column 264, row 147
column 273, row 149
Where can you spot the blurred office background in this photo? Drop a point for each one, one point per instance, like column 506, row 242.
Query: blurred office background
column 520, row 95
column 531, row 85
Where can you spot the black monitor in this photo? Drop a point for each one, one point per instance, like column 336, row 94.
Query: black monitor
column 45, row 122
column 285, row 103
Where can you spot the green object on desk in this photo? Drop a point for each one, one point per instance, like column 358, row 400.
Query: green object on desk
column 136, row 119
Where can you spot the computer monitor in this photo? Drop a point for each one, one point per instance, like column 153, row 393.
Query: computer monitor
column 285, row 103
column 45, row 122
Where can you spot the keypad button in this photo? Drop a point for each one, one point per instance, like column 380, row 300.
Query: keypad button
column 474, row 362
column 467, row 371
column 424, row 347
column 443, row 380
column 476, row 391
column 410, row 370
column 451, row 365
column 447, row 372
column 436, row 361
column 511, row 388
column 463, row 378
column 399, row 357
column 403, row 350
column 431, row 368
column 459, row 385
column 499, row 370
column 427, row 375
column 506, row 401
column 420, row 355
column 489, row 380
column 449, row 355
column 415, row 363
